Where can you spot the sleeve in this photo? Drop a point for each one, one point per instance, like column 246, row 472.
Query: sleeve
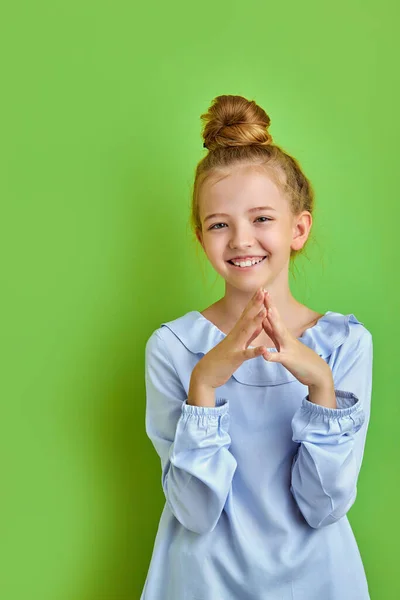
column 328, row 461
column 192, row 442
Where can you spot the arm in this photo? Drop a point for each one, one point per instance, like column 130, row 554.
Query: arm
column 327, row 464
column 191, row 440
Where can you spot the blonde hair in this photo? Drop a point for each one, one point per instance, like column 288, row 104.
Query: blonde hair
column 236, row 132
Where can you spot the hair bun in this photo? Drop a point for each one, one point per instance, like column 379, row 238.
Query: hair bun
column 235, row 121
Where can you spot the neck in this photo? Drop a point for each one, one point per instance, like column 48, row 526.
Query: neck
column 233, row 305
column 235, row 300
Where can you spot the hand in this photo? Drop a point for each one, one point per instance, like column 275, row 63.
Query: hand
column 217, row 366
column 305, row 364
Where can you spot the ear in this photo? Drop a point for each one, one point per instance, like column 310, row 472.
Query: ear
column 200, row 237
column 301, row 229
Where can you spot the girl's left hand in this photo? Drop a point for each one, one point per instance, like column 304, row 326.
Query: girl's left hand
column 305, row 364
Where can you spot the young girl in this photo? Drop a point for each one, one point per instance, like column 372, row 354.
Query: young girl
column 258, row 406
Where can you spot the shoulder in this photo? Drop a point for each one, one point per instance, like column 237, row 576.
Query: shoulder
column 170, row 336
column 357, row 334
column 355, row 347
column 335, row 330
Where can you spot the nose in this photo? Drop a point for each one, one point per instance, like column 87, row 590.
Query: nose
column 241, row 237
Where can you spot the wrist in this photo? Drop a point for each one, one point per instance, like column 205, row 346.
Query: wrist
column 197, row 380
column 324, row 395
column 200, row 394
column 323, row 386
column 324, row 382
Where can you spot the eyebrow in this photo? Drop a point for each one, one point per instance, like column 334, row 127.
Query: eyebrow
column 251, row 210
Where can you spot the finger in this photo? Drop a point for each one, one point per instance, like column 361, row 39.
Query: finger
column 272, row 356
column 259, row 327
column 244, row 327
column 267, row 300
column 272, row 311
column 269, row 330
column 250, row 329
column 274, row 319
column 267, row 326
column 274, row 330
column 253, row 352
column 256, row 301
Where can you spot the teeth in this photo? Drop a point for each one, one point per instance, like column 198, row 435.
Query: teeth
column 247, row 263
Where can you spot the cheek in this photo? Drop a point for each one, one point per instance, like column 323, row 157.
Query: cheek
column 275, row 239
column 214, row 245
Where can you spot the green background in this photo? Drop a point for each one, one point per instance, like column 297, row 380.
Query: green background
column 100, row 136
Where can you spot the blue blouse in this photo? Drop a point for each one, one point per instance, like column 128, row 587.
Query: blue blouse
column 257, row 488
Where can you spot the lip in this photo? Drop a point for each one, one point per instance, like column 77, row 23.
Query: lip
column 247, row 268
column 247, row 257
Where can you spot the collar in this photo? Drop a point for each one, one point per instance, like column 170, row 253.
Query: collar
column 199, row 336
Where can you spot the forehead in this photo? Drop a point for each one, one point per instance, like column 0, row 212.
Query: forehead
column 240, row 190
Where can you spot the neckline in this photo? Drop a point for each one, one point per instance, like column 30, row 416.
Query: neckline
column 303, row 335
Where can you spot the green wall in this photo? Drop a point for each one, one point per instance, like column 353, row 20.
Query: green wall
column 100, row 135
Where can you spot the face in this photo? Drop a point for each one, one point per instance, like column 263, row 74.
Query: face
column 246, row 230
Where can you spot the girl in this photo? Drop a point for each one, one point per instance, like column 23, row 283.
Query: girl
column 258, row 406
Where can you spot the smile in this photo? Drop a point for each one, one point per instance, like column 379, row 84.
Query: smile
column 247, row 267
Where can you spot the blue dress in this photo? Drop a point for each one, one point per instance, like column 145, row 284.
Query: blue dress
column 257, row 488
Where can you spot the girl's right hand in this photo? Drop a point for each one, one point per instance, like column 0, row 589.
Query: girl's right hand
column 218, row 365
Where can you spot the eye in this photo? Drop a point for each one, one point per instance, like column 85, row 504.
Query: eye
column 217, row 228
